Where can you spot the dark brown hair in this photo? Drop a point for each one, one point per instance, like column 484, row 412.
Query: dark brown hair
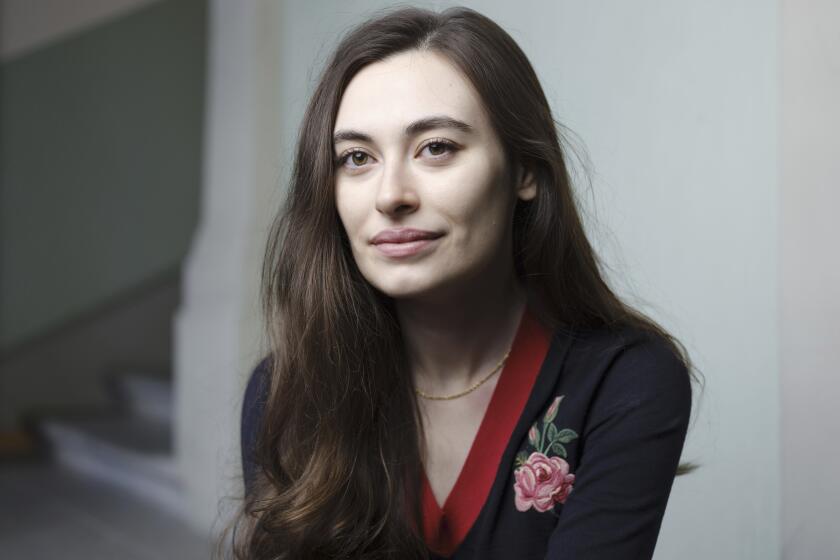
column 339, row 451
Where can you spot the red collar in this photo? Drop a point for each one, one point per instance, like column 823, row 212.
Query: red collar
column 445, row 528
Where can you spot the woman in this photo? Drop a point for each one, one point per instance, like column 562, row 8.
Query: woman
column 449, row 375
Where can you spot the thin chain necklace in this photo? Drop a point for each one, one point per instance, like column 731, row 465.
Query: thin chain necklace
column 470, row 390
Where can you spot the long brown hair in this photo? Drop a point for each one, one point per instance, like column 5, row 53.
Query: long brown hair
column 339, row 448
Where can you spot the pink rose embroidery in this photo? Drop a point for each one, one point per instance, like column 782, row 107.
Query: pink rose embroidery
column 541, row 482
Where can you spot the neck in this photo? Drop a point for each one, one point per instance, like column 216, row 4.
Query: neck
column 456, row 340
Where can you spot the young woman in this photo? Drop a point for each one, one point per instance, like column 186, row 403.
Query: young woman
column 450, row 376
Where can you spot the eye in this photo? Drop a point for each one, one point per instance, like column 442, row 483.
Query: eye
column 438, row 148
column 355, row 155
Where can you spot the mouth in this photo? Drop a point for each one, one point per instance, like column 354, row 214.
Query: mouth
column 404, row 242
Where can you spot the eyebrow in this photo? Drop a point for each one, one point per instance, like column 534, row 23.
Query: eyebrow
column 416, row 127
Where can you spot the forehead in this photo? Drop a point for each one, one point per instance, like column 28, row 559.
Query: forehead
column 382, row 97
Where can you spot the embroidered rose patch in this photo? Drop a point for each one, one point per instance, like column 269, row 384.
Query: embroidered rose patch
column 543, row 477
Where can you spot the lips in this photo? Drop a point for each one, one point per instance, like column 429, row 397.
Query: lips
column 401, row 243
column 403, row 235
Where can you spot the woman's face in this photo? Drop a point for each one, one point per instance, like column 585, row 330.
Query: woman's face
column 421, row 180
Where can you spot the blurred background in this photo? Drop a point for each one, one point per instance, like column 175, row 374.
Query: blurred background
column 145, row 146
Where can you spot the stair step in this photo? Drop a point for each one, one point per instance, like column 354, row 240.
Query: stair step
column 149, row 396
column 131, row 452
column 46, row 511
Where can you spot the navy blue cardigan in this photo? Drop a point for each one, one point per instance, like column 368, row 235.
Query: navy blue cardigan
column 628, row 400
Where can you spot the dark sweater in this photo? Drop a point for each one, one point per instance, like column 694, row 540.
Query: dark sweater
column 619, row 426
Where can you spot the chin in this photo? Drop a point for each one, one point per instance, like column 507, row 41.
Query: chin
column 404, row 290
column 399, row 285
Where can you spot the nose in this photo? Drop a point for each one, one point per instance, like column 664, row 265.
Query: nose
column 396, row 195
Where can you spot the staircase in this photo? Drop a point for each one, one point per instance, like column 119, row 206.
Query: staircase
column 128, row 446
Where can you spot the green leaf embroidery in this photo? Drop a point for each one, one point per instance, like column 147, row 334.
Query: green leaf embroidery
column 563, row 436
column 558, row 448
column 550, row 439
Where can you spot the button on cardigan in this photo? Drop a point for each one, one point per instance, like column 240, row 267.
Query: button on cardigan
column 575, row 456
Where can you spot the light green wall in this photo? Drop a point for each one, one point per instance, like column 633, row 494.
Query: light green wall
column 100, row 147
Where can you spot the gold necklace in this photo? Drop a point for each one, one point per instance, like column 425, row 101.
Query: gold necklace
column 470, row 390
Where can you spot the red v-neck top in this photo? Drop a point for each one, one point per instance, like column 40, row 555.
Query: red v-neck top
column 445, row 528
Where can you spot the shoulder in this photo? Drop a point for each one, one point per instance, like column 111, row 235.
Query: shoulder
column 631, row 367
column 253, row 405
column 253, row 402
column 257, row 381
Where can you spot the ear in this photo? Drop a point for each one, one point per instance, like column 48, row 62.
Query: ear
column 526, row 188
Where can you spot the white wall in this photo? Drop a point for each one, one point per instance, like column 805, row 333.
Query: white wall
column 677, row 103
column 810, row 261
column 217, row 329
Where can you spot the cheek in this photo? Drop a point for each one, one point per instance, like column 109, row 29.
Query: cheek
column 348, row 208
column 480, row 208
